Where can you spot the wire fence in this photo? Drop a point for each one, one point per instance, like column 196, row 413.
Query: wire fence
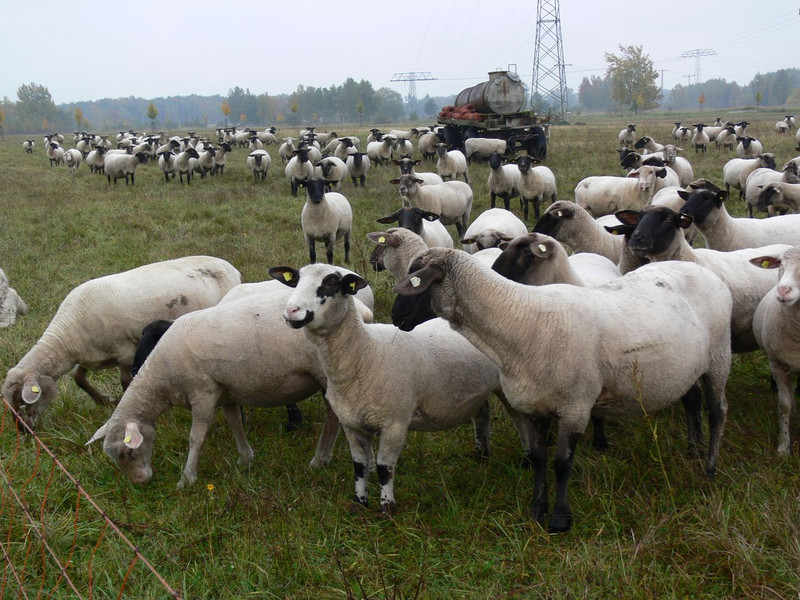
column 55, row 540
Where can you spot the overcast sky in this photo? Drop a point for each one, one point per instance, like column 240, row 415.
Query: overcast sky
column 87, row 50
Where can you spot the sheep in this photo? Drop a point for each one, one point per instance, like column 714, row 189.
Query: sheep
column 451, row 200
column 258, row 163
column 73, row 159
column 331, row 169
column 403, row 148
column 741, row 128
column 267, row 136
column 407, row 168
column 723, row 232
column 55, row 153
column 503, row 180
column 427, row 144
column 584, row 363
column 700, row 139
column 775, row 328
column 790, row 121
column 220, row 158
column 286, row 150
column 748, row 147
column 118, row 166
column 406, row 134
column 491, row 228
column 342, row 149
column 424, row 223
column 736, row 170
column 648, row 145
column 28, row 146
column 572, row 225
column 380, row 153
column 781, row 127
column 326, row 217
column 375, row 135
column 780, row 197
column 626, row 137
column 183, row 166
column 99, row 323
column 395, row 248
column 656, row 234
column 755, row 185
column 451, row 163
column 537, row 184
column 193, row 366
column 11, row 304
column 96, row 159
column 714, row 130
column 684, row 135
column 204, row 163
column 298, row 168
column 675, row 130
column 483, row 148
column 726, row 138
column 357, row 165
column 396, row 390
column 604, row 195
column 255, row 143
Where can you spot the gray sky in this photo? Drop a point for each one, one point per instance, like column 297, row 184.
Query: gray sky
column 87, row 50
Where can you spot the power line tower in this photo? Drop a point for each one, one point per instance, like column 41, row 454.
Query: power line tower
column 549, row 89
column 412, row 77
column 696, row 54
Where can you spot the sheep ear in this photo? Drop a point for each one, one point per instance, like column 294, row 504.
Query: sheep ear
column 661, row 173
column 384, row 239
column 98, row 435
column 766, row 262
column 685, row 221
column 390, row 218
column 418, row 282
column 430, row 216
column 541, row 249
column 133, row 436
column 633, row 174
column 685, row 194
column 467, row 241
column 31, row 390
column 721, row 196
column 395, row 181
column 351, row 283
column 620, row 229
column 286, row 275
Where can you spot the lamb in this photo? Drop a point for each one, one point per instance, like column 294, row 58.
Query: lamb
column 626, row 137
column 407, row 168
column 258, row 163
column 398, row 391
column 331, row 169
column 780, row 197
column 537, row 184
column 736, row 170
column 483, row 148
column 748, row 147
column 99, row 323
column 73, row 159
column 182, row 164
column 451, row 200
column 572, row 225
column 299, row 167
column 490, row 228
column 605, row 195
column 357, row 165
column 584, row 363
column 700, row 139
column 239, row 352
column 118, row 166
column 723, row 232
column 656, row 234
column 11, row 304
column 424, row 223
column 758, row 179
column 326, row 217
column 451, row 163
column 380, row 153
column 28, row 146
column 776, row 330
column 648, row 145
column 503, row 180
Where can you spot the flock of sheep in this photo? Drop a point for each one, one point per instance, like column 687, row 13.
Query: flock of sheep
column 634, row 294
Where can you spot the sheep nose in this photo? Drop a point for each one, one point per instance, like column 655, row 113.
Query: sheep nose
column 291, row 311
column 785, row 293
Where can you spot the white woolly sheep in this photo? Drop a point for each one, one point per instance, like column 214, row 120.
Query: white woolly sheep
column 583, row 362
column 96, row 159
column 407, row 168
column 204, row 163
column 780, row 197
column 537, row 184
column 258, row 163
column 606, row 194
column 490, row 228
column 748, row 147
column 343, row 148
column 11, row 304
column 775, row 325
column 403, row 393
column 425, row 224
column 756, row 183
column 119, row 166
column 572, row 225
column 99, row 323
column 648, row 145
column 451, row 200
column 73, row 159
column 286, row 150
column 503, row 180
column 427, row 144
column 482, row 148
column 191, row 366
column 700, row 139
column 326, row 217
column 267, row 136
column 781, row 127
column 403, row 149
column 451, row 163
column 726, row 138
column 357, row 165
column 332, row 170
column 55, row 153
column 299, row 168
column 736, row 170
column 28, row 146
column 627, row 137
column 380, row 152
column 183, row 166
column 396, row 247
column 220, row 158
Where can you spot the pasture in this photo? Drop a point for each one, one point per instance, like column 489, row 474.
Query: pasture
column 648, row 524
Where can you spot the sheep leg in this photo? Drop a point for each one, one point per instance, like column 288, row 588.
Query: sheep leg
column 494, row 198
column 294, row 417
column 538, row 457
column 537, row 205
column 783, row 381
column 391, row 444
column 507, row 201
column 692, row 405
column 312, row 250
column 330, row 431
column 329, row 241
column 717, row 413
column 599, row 440
column 233, row 415
column 569, row 432
column 524, row 425
column 363, row 180
column 361, row 451
column 79, row 375
column 347, row 247
column 125, row 376
column 202, row 417
column 481, row 425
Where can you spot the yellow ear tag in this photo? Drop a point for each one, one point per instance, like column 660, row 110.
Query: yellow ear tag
column 542, row 247
column 415, row 281
column 559, row 213
column 765, row 264
column 35, row 389
column 127, row 439
column 615, row 232
column 287, row 276
column 353, row 286
column 381, row 240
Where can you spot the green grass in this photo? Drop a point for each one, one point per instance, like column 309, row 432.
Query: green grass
column 647, row 522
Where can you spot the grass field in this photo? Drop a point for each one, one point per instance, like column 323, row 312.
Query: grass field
column 648, row 524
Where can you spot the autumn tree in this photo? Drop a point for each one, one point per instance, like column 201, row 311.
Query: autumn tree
column 226, row 110
column 2, row 121
column 78, row 117
column 36, row 109
column 633, row 79
column 152, row 113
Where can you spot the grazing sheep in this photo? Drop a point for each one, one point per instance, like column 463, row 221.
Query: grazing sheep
column 736, row 170
column 584, row 362
column 11, row 304
column 775, row 325
column 239, row 352
column 503, row 180
column 99, row 323
column 73, row 159
column 648, row 145
column 396, row 390
column 537, row 184
column 380, row 152
column 606, row 194
column 28, row 146
column 183, row 164
column 483, row 148
column 451, row 163
column 407, row 168
column 357, row 165
column 572, row 225
column 780, row 197
column 748, row 147
column 204, row 163
column 700, row 139
column 118, row 166
column 781, row 127
column 490, row 228
column 626, row 137
column 258, row 163
column 451, row 200
column 424, row 223
column 326, row 217
column 332, row 170
column 758, row 179
column 299, row 167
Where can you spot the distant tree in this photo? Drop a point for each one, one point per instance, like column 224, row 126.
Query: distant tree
column 702, row 100
column 78, row 117
column 391, row 106
column 242, row 102
column 594, row 93
column 35, row 107
column 429, row 106
column 294, row 108
column 632, row 75
column 794, row 97
column 226, row 110
column 360, row 110
column 2, row 121
column 152, row 113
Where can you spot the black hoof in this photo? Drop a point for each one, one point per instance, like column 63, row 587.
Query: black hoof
column 389, row 509
column 560, row 523
column 538, row 513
